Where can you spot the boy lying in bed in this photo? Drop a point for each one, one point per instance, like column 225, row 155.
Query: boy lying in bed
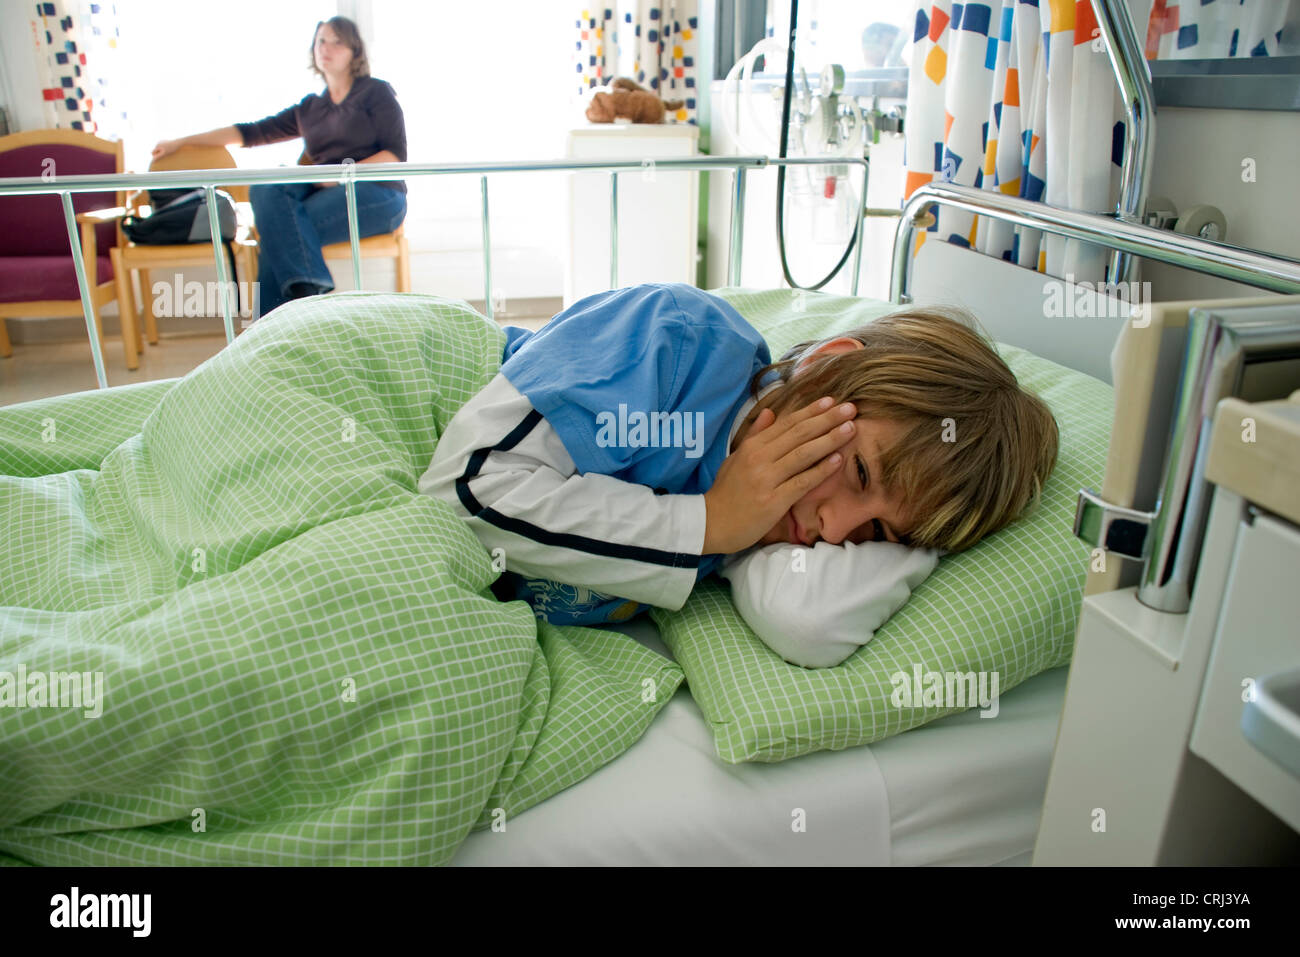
column 643, row 439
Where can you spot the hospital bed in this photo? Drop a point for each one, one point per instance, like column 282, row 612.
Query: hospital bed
column 949, row 793
column 955, row 791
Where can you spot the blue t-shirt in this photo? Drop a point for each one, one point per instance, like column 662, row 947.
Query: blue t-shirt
column 641, row 384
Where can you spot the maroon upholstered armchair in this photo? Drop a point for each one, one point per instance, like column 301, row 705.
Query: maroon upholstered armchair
column 37, row 276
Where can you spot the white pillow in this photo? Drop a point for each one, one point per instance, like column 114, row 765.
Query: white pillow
column 816, row 606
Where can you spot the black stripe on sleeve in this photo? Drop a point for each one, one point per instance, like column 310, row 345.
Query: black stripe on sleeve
column 580, row 543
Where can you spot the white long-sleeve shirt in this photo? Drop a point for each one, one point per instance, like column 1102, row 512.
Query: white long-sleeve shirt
column 591, row 531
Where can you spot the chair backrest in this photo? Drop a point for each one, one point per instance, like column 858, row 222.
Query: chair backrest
column 202, row 157
column 34, row 225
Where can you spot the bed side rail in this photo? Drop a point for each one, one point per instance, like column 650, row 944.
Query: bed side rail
column 1249, row 266
column 349, row 174
column 1167, row 539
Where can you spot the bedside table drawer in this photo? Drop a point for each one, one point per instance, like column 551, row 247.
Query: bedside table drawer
column 1258, row 634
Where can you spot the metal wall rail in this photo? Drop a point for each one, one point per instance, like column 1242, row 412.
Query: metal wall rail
column 349, row 174
column 1249, row 266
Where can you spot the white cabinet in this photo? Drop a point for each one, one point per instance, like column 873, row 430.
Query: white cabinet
column 1152, row 765
column 657, row 210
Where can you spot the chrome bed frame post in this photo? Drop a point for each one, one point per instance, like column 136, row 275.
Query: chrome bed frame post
column 613, row 229
column 353, row 239
column 487, row 251
column 1131, row 73
column 736, row 247
column 861, row 227
column 79, row 264
column 222, row 285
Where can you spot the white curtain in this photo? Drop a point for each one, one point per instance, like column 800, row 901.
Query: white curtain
column 1196, row 29
column 1017, row 97
column 654, row 42
column 76, row 61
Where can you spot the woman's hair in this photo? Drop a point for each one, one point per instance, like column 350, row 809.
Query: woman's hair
column 347, row 32
column 975, row 450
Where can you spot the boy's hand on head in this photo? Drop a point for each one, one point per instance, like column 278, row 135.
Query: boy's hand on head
column 779, row 461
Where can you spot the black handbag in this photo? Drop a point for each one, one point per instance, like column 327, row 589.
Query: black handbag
column 183, row 219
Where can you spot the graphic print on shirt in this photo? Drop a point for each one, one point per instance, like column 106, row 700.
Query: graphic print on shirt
column 556, row 601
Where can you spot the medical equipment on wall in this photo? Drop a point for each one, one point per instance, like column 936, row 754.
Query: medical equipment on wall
column 1203, row 220
column 812, row 124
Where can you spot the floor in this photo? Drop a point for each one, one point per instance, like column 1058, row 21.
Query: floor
column 40, row 369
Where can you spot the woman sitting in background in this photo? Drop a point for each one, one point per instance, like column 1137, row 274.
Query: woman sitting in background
column 355, row 119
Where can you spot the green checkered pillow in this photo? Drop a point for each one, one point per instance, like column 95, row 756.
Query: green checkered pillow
column 1008, row 606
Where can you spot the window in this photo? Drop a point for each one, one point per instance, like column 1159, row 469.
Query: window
column 187, row 68
column 856, row 34
column 479, row 81
column 484, row 81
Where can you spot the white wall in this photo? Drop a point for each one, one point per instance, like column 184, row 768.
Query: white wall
column 20, row 87
column 487, row 81
column 491, row 80
column 1199, row 156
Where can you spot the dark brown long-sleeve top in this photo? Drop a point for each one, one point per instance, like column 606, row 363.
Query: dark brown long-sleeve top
column 368, row 120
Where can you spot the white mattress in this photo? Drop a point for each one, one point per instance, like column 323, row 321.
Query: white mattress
column 963, row 790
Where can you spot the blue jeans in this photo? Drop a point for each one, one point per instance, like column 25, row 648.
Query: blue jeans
column 295, row 220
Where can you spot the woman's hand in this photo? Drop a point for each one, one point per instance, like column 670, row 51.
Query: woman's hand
column 778, row 463
column 165, row 147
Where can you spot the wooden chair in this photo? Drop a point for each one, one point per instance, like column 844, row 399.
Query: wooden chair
column 383, row 246
column 131, row 258
column 37, row 275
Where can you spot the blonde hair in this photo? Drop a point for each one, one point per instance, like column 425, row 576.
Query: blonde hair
column 976, row 449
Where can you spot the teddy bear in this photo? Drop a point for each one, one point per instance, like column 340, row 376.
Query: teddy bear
column 631, row 101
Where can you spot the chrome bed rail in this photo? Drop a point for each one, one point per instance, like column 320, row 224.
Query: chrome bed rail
column 1249, row 266
column 349, row 174
column 1167, row 539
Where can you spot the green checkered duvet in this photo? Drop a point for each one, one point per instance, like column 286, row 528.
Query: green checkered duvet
column 301, row 661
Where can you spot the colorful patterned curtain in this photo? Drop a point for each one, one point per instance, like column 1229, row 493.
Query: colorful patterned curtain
column 1193, row 29
column 1019, row 97
column 654, row 42
column 76, row 54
